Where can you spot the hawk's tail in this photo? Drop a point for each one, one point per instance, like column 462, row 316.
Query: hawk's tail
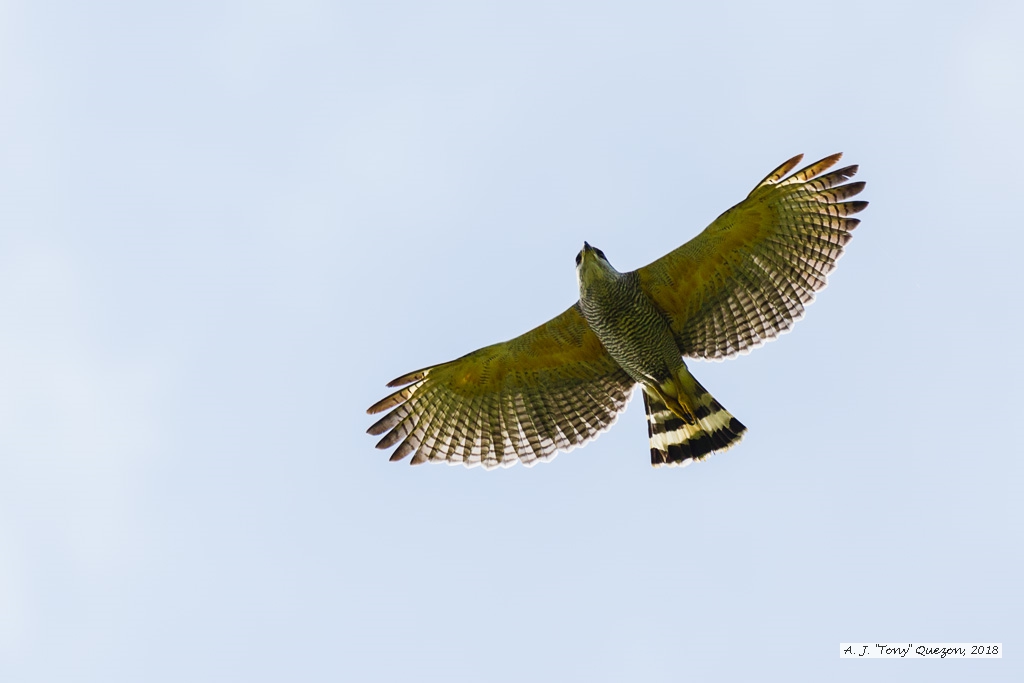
column 703, row 428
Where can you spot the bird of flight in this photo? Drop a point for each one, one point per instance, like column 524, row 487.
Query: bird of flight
column 741, row 282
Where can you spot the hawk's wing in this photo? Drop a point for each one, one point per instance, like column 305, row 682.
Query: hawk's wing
column 547, row 390
column 747, row 277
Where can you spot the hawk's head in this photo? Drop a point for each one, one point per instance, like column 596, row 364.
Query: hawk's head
column 592, row 266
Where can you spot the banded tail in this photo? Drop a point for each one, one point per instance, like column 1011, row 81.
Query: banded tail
column 704, row 426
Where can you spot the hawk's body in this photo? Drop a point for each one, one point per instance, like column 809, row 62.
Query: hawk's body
column 742, row 281
column 631, row 328
column 683, row 421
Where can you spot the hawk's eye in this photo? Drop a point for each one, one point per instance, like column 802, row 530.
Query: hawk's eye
column 579, row 257
column 601, row 254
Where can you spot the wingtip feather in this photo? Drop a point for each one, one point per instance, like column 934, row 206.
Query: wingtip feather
column 408, row 378
column 401, row 452
column 781, row 171
column 389, row 401
column 812, row 170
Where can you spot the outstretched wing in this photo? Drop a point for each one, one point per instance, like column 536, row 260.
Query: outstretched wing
column 550, row 389
column 748, row 276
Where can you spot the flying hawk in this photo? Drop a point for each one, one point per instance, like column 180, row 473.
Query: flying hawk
column 741, row 282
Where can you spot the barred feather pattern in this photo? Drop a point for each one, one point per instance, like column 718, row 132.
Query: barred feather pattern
column 630, row 327
column 749, row 276
column 524, row 400
column 677, row 441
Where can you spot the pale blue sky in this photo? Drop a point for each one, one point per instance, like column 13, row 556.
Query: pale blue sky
column 225, row 225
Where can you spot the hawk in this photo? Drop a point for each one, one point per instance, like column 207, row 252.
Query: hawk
column 741, row 282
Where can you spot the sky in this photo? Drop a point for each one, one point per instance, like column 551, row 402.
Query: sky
column 224, row 226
